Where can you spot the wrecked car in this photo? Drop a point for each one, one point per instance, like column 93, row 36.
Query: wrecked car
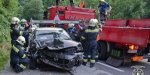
column 54, row 47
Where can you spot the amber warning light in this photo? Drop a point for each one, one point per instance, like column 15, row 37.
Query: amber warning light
column 133, row 47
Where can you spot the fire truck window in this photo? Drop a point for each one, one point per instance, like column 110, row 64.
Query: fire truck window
column 61, row 13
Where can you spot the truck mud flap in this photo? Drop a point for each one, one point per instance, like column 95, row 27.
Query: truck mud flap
column 114, row 61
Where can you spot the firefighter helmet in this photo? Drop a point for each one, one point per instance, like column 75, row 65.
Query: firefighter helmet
column 70, row 25
column 23, row 21
column 21, row 40
column 92, row 22
column 102, row 0
column 15, row 20
column 96, row 21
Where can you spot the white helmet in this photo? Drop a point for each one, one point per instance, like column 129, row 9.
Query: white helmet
column 92, row 22
column 96, row 21
column 23, row 21
column 15, row 20
column 102, row 0
column 21, row 40
column 70, row 25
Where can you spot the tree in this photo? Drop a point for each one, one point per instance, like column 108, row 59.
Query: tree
column 127, row 9
column 8, row 9
column 47, row 3
column 147, row 10
column 33, row 9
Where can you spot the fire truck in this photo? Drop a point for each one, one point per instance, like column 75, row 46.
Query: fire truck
column 69, row 13
column 121, row 41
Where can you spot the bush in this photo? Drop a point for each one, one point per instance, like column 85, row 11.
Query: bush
column 8, row 9
column 4, row 53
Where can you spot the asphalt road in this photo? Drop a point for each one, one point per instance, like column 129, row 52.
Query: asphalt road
column 101, row 68
column 81, row 70
column 125, row 69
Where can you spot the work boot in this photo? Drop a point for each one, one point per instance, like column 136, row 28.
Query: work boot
column 84, row 63
column 91, row 65
column 18, row 68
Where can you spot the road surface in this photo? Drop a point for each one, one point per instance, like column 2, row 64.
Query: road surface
column 81, row 70
column 125, row 69
column 101, row 68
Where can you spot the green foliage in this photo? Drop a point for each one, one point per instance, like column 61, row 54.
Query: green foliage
column 33, row 9
column 47, row 3
column 147, row 10
column 128, row 9
column 20, row 11
column 8, row 9
column 4, row 53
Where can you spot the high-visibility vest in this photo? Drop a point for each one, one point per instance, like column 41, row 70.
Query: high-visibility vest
column 81, row 5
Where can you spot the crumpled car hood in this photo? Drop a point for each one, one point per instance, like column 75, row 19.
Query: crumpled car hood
column 57, row 44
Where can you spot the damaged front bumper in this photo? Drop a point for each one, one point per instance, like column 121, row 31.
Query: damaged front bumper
column 64, row 61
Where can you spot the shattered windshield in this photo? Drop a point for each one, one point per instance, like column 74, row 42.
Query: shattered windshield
column 51, row 34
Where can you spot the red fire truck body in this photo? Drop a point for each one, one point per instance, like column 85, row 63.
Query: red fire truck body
column 120, row 40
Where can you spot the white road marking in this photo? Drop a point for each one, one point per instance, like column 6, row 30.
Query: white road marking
column 110, row 67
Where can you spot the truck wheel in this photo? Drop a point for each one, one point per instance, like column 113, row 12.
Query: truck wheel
column 102, row 49
column 32, row 64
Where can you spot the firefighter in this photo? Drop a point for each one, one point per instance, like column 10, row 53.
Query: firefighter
column 14, row 30
column 82, row 27
column 72, row 30
column 104, row 10
column 90, row 47
column 18, row 59
column 24, row 27
column 82, row 5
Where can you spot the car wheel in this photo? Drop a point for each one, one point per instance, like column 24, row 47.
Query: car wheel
column 102, row 49
column 33, row 63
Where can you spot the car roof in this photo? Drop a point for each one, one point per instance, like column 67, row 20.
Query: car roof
column 48, row 28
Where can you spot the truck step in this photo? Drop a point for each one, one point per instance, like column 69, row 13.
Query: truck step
column 114, row 61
